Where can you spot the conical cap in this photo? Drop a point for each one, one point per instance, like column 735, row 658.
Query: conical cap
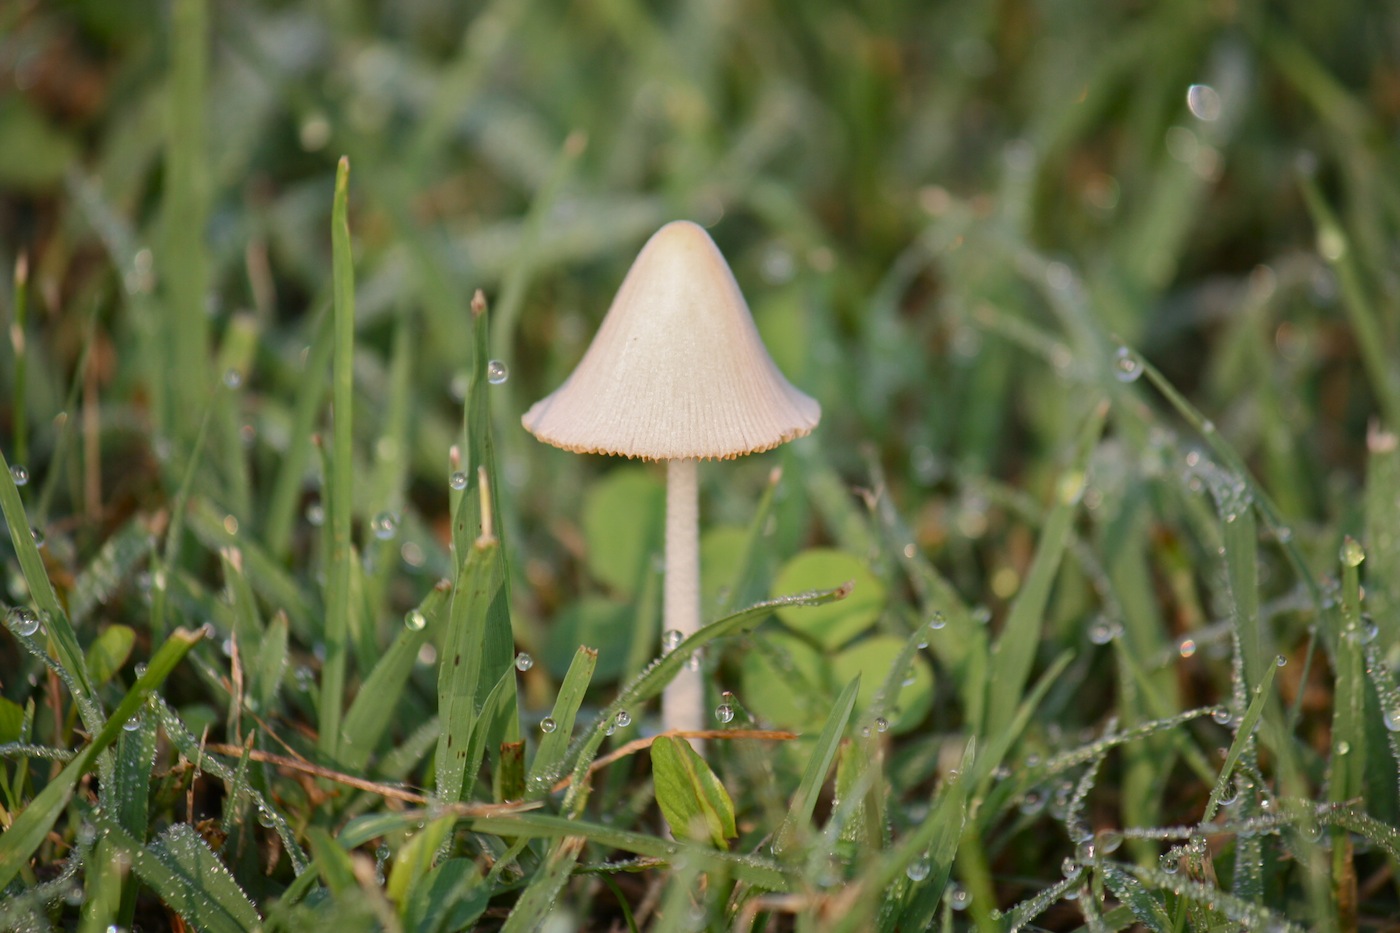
column 677, row 369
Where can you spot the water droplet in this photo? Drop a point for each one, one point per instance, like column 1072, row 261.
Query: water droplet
column 1392, row 719
column 1352, row 553
column 1068, row 866
column 20, row 474
column 22, row 621
column 1126, row 365
column 458, row 480
column 523, row 662
column 670, row 640
column 981, row 615
column 937, row 621
column 414, row 620
column 1169, row 863
column 1187, row 647
column 910, row 676
column 724, row 713
column 1103, row 631
column 1203, row 102
column 548, row 725
column 305, row 678
column 265, row 818
column 1221, row 715
column 233, row 379
column 384, row 525
column 38, row 537
column 1032, row 803
column 624, row 719
column 692, row 663
column 140, row 670
column 918, row 870
column 132, row 724
column 865, row 732
column 1208, row 427
column 1343, row 748
column 496, row 372
column 1109, row 841
column 881, row 724
column 958, row 897
column 1281, row 661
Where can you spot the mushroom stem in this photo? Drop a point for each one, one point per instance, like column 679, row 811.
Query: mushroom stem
column 683, row 703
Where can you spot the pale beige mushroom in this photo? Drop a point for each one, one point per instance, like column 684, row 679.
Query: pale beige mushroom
column 676, row 372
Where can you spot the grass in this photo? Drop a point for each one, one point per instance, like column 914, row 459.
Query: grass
column 304, row 629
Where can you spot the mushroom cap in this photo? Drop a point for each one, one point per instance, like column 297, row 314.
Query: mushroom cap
column 677, row 369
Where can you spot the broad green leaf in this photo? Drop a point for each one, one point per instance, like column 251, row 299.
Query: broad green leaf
column 835, row 624
column 108, row 652
column 786, row 681
column 622, row 520
column 591, row 620
column 693, row 801
column 872, row 659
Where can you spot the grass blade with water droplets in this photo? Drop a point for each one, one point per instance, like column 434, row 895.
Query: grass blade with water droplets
column 797, row 823
column 549, row 758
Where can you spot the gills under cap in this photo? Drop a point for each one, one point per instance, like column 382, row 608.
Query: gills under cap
column 677, row 369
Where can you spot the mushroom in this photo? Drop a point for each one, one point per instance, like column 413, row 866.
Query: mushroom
column 677, row 372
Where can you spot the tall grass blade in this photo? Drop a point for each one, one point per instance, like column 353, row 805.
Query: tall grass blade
column 555, row 744
column 797, row 824
column 339, row 481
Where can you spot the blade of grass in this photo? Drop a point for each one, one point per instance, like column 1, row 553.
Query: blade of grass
column 32, row 825
column 20, row 345
column 378, row 699
column 804, row 799
column 555, row 743
column 286, row 488
column 537, row 900
column 1014, row 651
column 339, row 486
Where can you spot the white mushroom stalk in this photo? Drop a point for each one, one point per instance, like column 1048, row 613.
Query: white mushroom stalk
column 676, row 372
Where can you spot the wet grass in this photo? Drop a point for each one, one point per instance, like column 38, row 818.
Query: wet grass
column 303, row 628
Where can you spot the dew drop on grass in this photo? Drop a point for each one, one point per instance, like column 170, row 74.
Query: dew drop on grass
column 315, row 514
column 140, row 670
column 1032, row 803
column 909, row 676
column 1102, row 631
column 23, row 622
column 1221, row 715
column 1343, row 748
column 1392, row 719
column 20, row 474
column 1352, row 553
column 265, row 819
column 38, row 537
column 671, row 640
column 1169, row 863
column 384, row 525
column 958, row 897
column 1187, row 647
column 496, row 372
column 1281, row 661
column 132, row 724
column 233, row 379
column 458, row 480
column 724, row 713
column 937, row 621
column 624, row 719
column 881, row 724
column 1126, row 366
column 414, row 620
column 692, row 663
column 918, row 870
column 548, row 725
column 523, row 662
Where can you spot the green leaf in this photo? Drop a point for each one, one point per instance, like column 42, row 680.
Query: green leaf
column 786, row 681
column 622, row 522
column 332, row 861
column 831, row 626
column 108, row 652
column 591, row 620
column 873, row 659
column 11, row 721
column 693, row 801
column 538, row 898
column 415, row 857
column 31, row 827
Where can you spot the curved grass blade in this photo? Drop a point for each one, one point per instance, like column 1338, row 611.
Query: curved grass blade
column 555, row 743
column 537, row 900
column 804, row 799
